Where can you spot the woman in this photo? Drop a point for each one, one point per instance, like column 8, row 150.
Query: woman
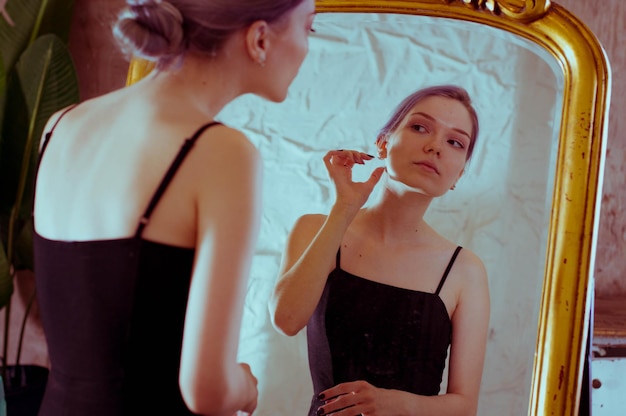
column 147, row 212
column 383, row 295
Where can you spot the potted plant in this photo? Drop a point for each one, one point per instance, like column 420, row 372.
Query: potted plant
column 37, row 78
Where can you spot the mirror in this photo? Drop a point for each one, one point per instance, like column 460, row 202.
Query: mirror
column 527, row 203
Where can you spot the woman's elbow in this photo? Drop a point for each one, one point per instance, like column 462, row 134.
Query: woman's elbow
column 284, row 322
column 288, row 330
column 208, row 395
column 209, row 402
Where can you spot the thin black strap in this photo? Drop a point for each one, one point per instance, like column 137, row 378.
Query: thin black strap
column 169, row 175
column 338, row 259
column 445, row 274
column 47, row 136
column 46, row 140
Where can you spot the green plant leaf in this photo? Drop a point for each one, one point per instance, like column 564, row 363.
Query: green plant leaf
column 12, row 140
column 49, row 81
column 6, row 280
column 56, row 18
column 31, row 19
column 44, row 82
column 23, row 258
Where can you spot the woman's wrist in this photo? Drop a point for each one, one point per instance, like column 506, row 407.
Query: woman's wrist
column 343, row 213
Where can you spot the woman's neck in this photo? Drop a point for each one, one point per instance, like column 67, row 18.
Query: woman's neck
column 398, row 217
column 199, row 88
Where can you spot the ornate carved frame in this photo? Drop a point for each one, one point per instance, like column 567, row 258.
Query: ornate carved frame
column 565, row 305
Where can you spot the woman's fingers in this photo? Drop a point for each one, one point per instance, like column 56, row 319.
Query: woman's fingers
column 346, row 158
column 375, row 177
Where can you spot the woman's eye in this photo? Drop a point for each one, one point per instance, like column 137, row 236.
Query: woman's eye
column 418, row 127
column 456, row 143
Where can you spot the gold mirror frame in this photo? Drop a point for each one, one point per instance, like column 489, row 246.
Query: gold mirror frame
column 570, row 252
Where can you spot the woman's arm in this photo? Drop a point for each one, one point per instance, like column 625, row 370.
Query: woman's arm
column 313, row 244
column 228, row 172
column 308, row 259
column 470, row 326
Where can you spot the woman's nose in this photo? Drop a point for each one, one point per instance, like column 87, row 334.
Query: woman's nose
column 432, row 147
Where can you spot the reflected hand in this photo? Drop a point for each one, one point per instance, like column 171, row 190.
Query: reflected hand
column 251, row 405
column 339, row 165
column 358, row 398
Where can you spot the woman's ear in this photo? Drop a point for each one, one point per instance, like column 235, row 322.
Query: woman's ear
column 381, row 144
column 457, row 179
column 257, row 41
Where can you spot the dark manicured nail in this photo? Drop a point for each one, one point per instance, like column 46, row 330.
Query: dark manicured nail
column 320, row 396
column 369, row 155
column 320, row 412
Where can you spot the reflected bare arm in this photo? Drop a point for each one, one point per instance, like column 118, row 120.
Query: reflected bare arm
column 313, row 244
column 308, row 259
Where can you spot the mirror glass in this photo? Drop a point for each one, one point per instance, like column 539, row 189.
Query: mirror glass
column 359, row 67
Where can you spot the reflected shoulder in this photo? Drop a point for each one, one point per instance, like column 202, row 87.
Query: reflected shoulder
column 311, row 222
column 473, row 267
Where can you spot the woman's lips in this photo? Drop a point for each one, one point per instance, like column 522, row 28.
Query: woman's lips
column 428, row 166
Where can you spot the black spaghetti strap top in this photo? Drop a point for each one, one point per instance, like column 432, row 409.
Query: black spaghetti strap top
column 113, row 314
column 391, row 337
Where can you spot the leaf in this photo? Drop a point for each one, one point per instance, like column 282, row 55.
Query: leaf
column 14, row 39
column 57, row 19
column 12, row 140
column 44, row 82
column 32, row 18
column 49, row 81
column 6, row 280
column 23, row 247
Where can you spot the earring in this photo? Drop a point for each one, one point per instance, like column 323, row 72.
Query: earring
column 453, row 187
column 261, row 61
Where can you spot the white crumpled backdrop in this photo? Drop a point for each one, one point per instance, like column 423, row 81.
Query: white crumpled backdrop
column 359, row 67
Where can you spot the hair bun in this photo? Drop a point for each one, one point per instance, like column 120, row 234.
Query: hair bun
column 151, row 29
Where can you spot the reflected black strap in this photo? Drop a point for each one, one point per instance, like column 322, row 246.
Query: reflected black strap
column 169, row 175
column 445, row 274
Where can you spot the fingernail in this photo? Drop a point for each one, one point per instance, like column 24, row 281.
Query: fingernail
column 320, row 396
column 320, row 412
column 340, row 150
column 369, row 155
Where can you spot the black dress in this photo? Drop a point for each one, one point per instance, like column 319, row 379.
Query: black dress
column 113, row 314
column 391, row 337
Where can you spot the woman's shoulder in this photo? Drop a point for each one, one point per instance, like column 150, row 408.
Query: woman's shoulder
column 308, row 224
column 472, row 260
column 472, row 268
column 467, row 263
column 226, row 149
column 311, row 220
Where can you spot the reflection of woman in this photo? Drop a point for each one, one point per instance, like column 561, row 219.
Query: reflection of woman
column 383, row 295
column 147, row 213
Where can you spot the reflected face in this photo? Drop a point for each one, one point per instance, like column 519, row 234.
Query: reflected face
column 290, row 44
column 428, row 150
